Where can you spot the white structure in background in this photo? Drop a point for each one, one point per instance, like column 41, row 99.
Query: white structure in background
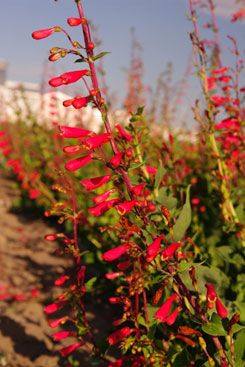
column 25, row 101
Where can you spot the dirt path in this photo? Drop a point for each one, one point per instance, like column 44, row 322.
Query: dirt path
column 26, row 268
column 27, row 264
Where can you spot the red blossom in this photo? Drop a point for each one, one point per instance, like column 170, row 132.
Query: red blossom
column 53, row 307
column 153, row 249
column 53, row 237
column 118, row 335
column 221, row 310
column 78, row 162
column 211, row 294
column 68, row 77
column 163, row 311
column 68, row 102
column 170, row 320
column 62, row 335
column 116, row 160
column 74, row 132
column 102, row 207
column 169, row 251
column 123, row 133
column 137, row 190
column 238, row 15
column 58, row 322
column 124, row 265
column 93, row 183
column 151, row 170
column 126, row 207
column 73, row 76
column 44, row 33
column 102, row 197
column 221, row 70
column 97, row 140
column 61, row 280
column 114, row 253
column 112, row 276
column 80, row 102
column 68, row 350
column 73, row 22
column 56, row 82
column 34, row 194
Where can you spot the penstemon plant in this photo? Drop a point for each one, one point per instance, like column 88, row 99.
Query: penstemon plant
column 170, row 309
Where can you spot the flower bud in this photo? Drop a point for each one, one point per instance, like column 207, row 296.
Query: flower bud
column 44, row 33
column 73, row 22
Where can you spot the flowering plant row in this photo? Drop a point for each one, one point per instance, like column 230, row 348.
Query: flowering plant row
column 154, row 222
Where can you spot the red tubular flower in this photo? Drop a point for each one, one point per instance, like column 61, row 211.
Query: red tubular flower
column 56, row 82
column 61, row 280
column 165, row 308
column 116, row 160
column 53, row 237
column 44, row 33
column 73, row 76
column 68, row 350
column 169, row 251
column 220, row 71
column 221, row 310
column 34, row 194
column 124, row 265
column 137, row 190
column 118, row 335
column 80, row 102
column 112, row 276
column 62, row 335
column 153, row 249
column 124, row 134
column 126, row 207
column 68, row 102
column 151, row 170
column 58, row 322
column 170, row 320
column 118, row 363
column 219, row 100
column 115, row 300
column 240, row 14
column 97, row 140
column 114, row 253
column 102, row 197
column 73, row 149
column 93, row 183
column 53, row 307
column 78, row 163
column 74, row 132
column 103, row 207
column 211, row 294
column 73, row 22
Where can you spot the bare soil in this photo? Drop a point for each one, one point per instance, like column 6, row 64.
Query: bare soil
column 28, row 262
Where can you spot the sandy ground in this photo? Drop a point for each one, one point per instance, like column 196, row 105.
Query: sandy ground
column 28, row 262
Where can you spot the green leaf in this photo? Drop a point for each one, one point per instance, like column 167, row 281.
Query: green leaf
column 239, row 346
column 96, row 57
column 103, row 346
column 159, row 175
column 184, row 219
column 168, row 201
column 184, row 265
column 240, row 211
column 89, row 284
column 80, row 60
column 215, row 327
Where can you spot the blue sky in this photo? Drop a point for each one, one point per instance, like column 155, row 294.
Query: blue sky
column 161, row 27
